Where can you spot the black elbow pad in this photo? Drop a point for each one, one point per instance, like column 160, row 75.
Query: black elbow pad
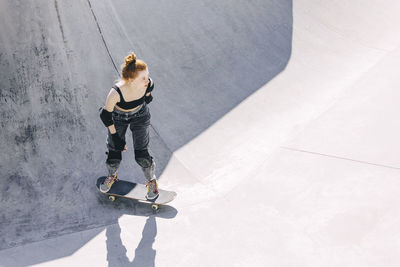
column 106, row 117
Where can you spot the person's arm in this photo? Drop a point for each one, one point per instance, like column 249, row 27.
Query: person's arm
column 148, row 97
column 106, row 117
column 111, row 100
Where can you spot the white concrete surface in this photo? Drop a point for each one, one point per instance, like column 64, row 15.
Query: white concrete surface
column 304, row 172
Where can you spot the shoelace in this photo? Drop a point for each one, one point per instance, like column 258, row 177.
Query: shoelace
column 110, row 178
column 152, row 186
column 148, row 183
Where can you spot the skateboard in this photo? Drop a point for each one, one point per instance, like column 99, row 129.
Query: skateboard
column 135, row 191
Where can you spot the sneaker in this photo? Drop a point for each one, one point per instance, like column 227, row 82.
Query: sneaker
column 108, row 182
column 152, row 189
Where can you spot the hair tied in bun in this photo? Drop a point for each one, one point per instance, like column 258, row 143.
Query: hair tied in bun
column 132, row 66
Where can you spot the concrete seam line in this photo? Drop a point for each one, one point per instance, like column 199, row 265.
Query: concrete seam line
column 102, row 37
column 342, row 158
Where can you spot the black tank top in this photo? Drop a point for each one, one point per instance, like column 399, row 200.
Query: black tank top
column 128, row 105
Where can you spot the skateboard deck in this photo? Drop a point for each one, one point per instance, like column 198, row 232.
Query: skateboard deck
column 135, row 191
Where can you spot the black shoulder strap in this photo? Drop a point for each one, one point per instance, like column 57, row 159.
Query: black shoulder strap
column 119, row 92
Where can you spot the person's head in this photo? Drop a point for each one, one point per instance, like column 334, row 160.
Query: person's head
column 135, row 71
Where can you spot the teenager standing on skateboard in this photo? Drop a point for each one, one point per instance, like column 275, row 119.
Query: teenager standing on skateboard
column 126, row 106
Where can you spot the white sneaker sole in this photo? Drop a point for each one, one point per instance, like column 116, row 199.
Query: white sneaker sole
column 153, row 198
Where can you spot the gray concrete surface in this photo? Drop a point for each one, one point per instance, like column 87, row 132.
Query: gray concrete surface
column 58, row 61
column 275, row 122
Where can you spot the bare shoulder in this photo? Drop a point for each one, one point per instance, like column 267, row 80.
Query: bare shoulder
column 113, row 94
column 112, row 99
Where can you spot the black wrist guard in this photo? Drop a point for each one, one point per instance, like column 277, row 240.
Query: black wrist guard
column 106, row 117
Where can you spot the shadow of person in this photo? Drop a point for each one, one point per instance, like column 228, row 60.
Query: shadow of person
column 116, row 251
column 144, row 253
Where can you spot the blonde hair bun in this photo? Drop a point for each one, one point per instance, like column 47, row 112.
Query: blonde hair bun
column 130, row 58
column 132, row 66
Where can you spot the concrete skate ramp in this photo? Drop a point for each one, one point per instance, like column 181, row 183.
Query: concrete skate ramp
column 58, row 60
column 279, row 135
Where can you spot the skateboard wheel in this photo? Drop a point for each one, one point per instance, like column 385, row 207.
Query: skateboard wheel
column 112, row 198
column 154, row 207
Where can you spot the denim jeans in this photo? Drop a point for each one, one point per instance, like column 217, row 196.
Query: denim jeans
column 138, row 122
